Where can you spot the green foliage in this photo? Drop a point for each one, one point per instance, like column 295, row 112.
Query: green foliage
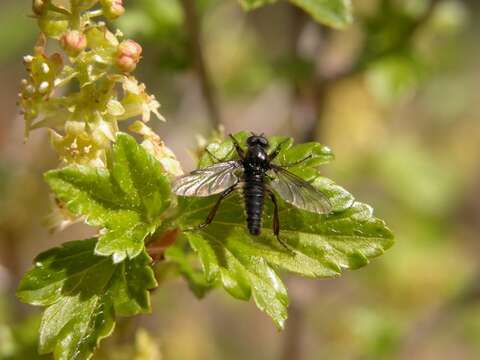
column 185, row 266
column 83, row 292
column 126, row 199
column 322, row 245
column 392, row 77
column 334, row 13
column 86, row 284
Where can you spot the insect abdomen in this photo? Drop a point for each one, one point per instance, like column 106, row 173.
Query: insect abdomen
column 254, row 192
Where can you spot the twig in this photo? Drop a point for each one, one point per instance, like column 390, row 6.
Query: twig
column 292, row 348
column 301, row 92
column 193, row 27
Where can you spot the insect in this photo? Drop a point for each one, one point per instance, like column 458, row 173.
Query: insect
column 257, row 177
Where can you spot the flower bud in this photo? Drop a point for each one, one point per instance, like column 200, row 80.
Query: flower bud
column 128, row 55
column 113, row 9
column 39, row 6
column 52, row 28
column 73, row 42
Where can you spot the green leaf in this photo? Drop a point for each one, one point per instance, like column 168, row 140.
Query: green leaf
column 334, row 13
column 253, row 4
column 322, row 245
column 83, row 293
column 189, row 269
column 126, row 200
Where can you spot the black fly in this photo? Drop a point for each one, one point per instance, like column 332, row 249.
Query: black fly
column 257, row 176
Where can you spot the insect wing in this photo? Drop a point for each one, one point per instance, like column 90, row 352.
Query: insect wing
column 298, row 192
column 208, row 181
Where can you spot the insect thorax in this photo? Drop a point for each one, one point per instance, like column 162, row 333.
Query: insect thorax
column 256, row 161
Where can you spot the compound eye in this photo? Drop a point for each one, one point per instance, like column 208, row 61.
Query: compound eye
column 263, row 141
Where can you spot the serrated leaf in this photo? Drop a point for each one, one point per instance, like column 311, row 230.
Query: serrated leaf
column 126, row 200
column 334, row 13
column 322, row 245
column 83, row 293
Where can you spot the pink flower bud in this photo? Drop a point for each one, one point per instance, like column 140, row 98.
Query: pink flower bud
column 130, row 48
column 128, row 55
column 73, row 42
column 126, row 64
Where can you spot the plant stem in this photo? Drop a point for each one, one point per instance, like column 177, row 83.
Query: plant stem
column 75, row 19
column 193, row 27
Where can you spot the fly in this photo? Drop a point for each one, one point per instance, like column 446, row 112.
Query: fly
column 258, row 178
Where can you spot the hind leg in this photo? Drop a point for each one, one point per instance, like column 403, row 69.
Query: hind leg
column 276, row 223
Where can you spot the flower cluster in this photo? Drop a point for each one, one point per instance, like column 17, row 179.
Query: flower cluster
column 82, row 92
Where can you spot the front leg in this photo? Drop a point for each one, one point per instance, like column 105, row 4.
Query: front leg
column 277, row 150
column 238, row 148
column 218, row 160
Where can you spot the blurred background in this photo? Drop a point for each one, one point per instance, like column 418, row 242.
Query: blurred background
column 396, row 96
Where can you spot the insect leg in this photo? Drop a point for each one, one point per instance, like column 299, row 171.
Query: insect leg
column 213, row 156
column 277, row 150
column 276, row 222
column 213, row 212
column 298, row 162
column 239, row 149
column 216, row 158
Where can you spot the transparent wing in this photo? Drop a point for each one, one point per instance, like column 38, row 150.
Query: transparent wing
column 298, row 192
column 208, row 181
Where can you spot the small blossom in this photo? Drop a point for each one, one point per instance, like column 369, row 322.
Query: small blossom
column 79, row 145
column 137, row 101
column 83, row 118
column 156, row 147
column 39, row 85
column 60, row 217
column 128, row 55
column 73, row 42
column 100, row 37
